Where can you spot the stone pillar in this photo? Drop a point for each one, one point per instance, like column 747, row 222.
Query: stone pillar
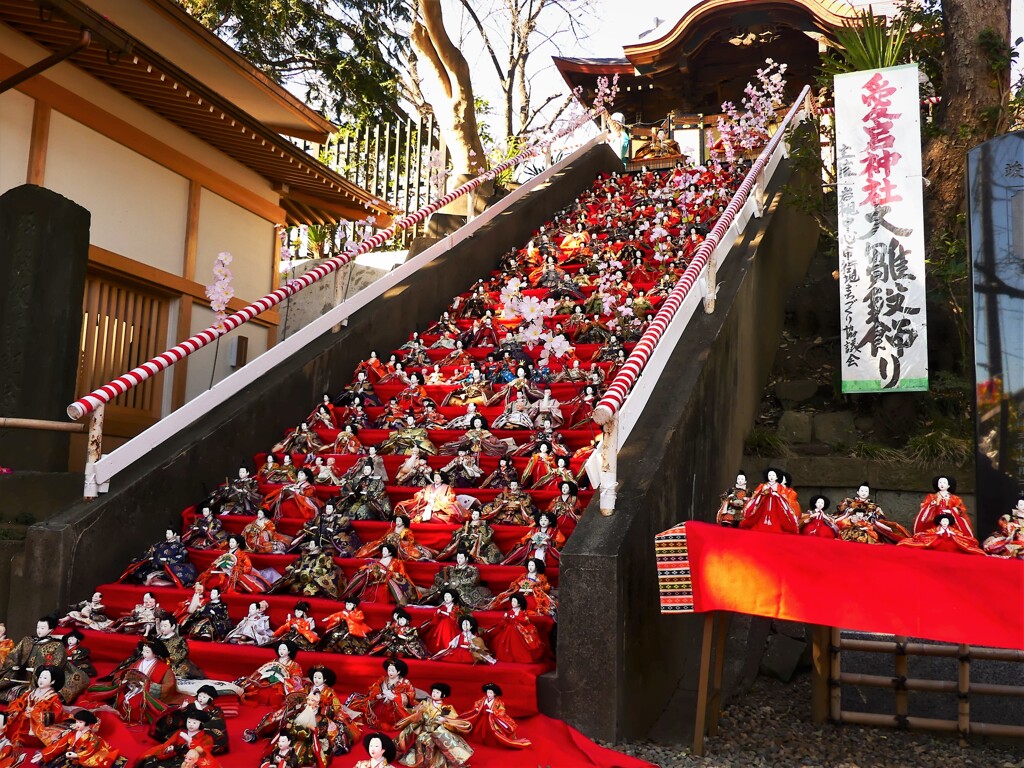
column 44, row 246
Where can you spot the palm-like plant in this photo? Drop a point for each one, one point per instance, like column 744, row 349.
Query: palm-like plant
column 869, row 42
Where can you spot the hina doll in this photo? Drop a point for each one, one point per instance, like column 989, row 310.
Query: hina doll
column 261, row 536
column 473, row 391
column 402, row 542
column 78, row 654
column 302, row 440
column 330, row 531
column 346, row 443
column 282, row 755
column 503, row 476
column 389, row 699
column 540, row 465
column 274, row 680
column 463, row 471
column 141, row 691
column 434, row 503
column 7, row 645
column 298, row 629
column 31, row 653
column 253, row 628
column 205, row 532
column 478, row 440
column 87, row 614
column 546, row 408
column 383, row 580
column 533, row 584
column 769, row 508
column 1008, row 538
column 322, row 415
column 943, row 500
column 346, row 631
column 33, row 717
column 513, row 506
column 406, row 437
column 237, row 497
column 381, row 750
column 560, row 473
column 327, row 474
column 817, row 522
column 476, row 538
column 515, row 638
column 371, row 367
column 415, row 471
column 730, row 513
column 313, row 574
column 173, row 752
column 583, row 408
column 79, row 747
column 142, row 618
column 467, row 647
column 398, row 638
column 542, row 542
column 173, row 720
column 207, row 620
column 516, row 414
column 165, row 564
column 429, row 735
column 945, row 535
column 443, row 625
column 167, row 632
column 871, row 515
column 335, row 729
column 365, row 496
column 232, row 571
column 491, row 724
column 296, row 500
column 566, row 507
column 464, row 578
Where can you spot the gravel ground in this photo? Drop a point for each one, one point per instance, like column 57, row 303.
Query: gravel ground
column 771, row 727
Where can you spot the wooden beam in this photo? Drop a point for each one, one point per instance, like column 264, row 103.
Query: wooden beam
column 188, row 271
column 40, row 137
column 87, row 113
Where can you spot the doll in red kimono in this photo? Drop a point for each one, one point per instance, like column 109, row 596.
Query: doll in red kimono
column 491, row 724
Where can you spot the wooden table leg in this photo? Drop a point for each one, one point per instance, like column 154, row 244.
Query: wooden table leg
column 820, row 638
column 715, row 702
column 702, row 688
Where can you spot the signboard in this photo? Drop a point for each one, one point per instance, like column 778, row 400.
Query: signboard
column 881, row 231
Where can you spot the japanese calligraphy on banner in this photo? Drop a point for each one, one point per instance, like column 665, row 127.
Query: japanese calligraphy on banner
column 881, row 231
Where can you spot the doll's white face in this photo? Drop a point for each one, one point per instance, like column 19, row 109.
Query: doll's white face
column 490, row 694
column 284, row 744
column 863, row 492
column 147, row 653
column 1020, row 505
column 71, row 641
column 819, row 504
column 243, row 473
column 375, row 748
column 318, row 678
column 287, row 460
column 45, row 679
column 943, row 484
column 282, row 651
column 192, row 725
column 436, row 695
column 42, row 629
column 461, row 559
column 531, row 567
column 741, row 481
column 944, row 522
column 203, row 699
column 253, row 608
column 772, row 477
column 401, row 621
column 349, row 605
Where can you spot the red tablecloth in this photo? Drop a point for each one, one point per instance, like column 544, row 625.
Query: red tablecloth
column 872, row 588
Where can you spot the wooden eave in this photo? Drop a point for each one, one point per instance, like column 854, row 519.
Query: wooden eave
column 145, row 77
column 664, row 53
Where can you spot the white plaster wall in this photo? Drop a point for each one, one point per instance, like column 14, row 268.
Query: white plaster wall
column 15, row 136
column 224, row 226
column 201, row 363
column 139, row 209
column 18, row 47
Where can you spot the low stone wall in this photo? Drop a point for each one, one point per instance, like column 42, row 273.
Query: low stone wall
column 90, row 543
column 620, row 661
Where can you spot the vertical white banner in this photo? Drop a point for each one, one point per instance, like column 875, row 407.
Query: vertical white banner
column 881, row 231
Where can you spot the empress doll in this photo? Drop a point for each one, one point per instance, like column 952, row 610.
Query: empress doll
column 467, row 647
column 434, row 503
column 492, row 725
column 403, row 543
column 232, row 571
column 382, row 580
column 141, row 691
column 389, row 699
column 943, row 500
column 770, row 508
column 515, row 638
column 542, row 542
column 274, row 680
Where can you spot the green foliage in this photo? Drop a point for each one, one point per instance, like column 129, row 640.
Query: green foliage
column 868, row 43
column 924, row 41
column 767, row 443
column 940, row 448
column 24, row 518
column 342, row 51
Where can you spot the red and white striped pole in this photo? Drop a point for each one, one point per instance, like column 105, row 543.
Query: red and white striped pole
column 637, row 360
column 88, row 403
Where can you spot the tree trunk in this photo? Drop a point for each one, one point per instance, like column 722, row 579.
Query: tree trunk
column 966, row 118
column 962, row 115
column 444, row 61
